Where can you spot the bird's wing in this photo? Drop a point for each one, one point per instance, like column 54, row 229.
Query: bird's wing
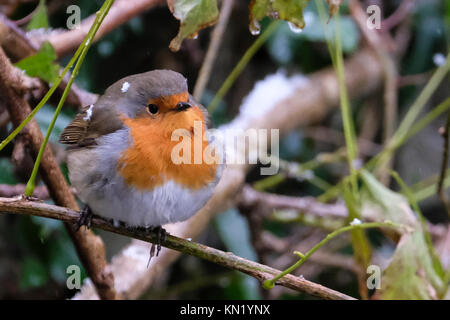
column 90, row 123
column 76, row 131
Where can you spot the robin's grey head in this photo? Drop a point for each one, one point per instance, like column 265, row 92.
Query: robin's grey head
column 148, row 91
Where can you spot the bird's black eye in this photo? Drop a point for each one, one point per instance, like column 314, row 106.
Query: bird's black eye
column 152, row 108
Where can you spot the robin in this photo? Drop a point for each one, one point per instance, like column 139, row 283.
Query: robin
column 120, row 155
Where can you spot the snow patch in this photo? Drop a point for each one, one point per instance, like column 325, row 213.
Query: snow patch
column 88, row 113
column 125, row 86
column 265, row 96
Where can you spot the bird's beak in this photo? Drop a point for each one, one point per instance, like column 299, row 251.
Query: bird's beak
column 182, row 106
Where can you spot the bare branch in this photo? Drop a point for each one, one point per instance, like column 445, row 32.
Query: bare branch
column 226, row 259
column 390, row 76
column 9, row 191
column 18, row 46
column 440, row 189
column 250, row 197
column 216, row 39
column 120, row 12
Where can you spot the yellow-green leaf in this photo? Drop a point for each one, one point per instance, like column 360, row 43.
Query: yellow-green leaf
column 289, row 10
column 39, row 19
column 194, row 15
column 41, row 64
column 412, row 272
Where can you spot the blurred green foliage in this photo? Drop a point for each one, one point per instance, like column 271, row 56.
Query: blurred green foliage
column 39, row 18
column 42, row 64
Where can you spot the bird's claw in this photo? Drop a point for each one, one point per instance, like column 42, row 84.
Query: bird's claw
column 161, row 236
column 85, row 218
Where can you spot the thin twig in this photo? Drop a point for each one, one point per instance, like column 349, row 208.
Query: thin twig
column 241, row 65
column 303, row 257
column 18, row 46
column 440, row 189
column 403, row 11
column 390, row 85
column 250, row 198
column 216, row 39
column 40, row 192
column 8, row 191
column 226, row 259
column 121, row 12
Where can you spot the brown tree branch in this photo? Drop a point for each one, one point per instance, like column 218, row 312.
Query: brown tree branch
column 40, row 192
column 268, row 202
column 9, row 191
column 251, row 198
column 18, row 46
column 390, row 75
column 440, row 187
column 121, row 11
column 90, row 247
column 226, row 259
column 216, row 39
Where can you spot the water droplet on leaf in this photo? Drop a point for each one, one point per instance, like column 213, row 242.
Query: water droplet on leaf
column 255, row 28
column 294, row 28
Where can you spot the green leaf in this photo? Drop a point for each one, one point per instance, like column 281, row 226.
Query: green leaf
column 39, row 19
column 285, row 44
column 41, row 64
column 194, row 15
column 7, row 172
column 385, row 204
column 34, row 274
column 61, row 254
column 234, row 231
column 289, row 10
column 46, row 226
column 412, row 273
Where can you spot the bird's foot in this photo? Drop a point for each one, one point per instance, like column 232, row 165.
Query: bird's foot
column 161, row 235
column 85, row 218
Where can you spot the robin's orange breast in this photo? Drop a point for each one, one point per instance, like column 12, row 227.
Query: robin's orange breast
column 148, row 162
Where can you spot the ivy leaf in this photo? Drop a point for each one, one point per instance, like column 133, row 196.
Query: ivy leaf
column 33, row 274
column 385, row 204
column 41, row 64
column 412, row 272
column 233, row 229
column 194, row 15
column 7, row 175
column 289, row 10
column 39, row 19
